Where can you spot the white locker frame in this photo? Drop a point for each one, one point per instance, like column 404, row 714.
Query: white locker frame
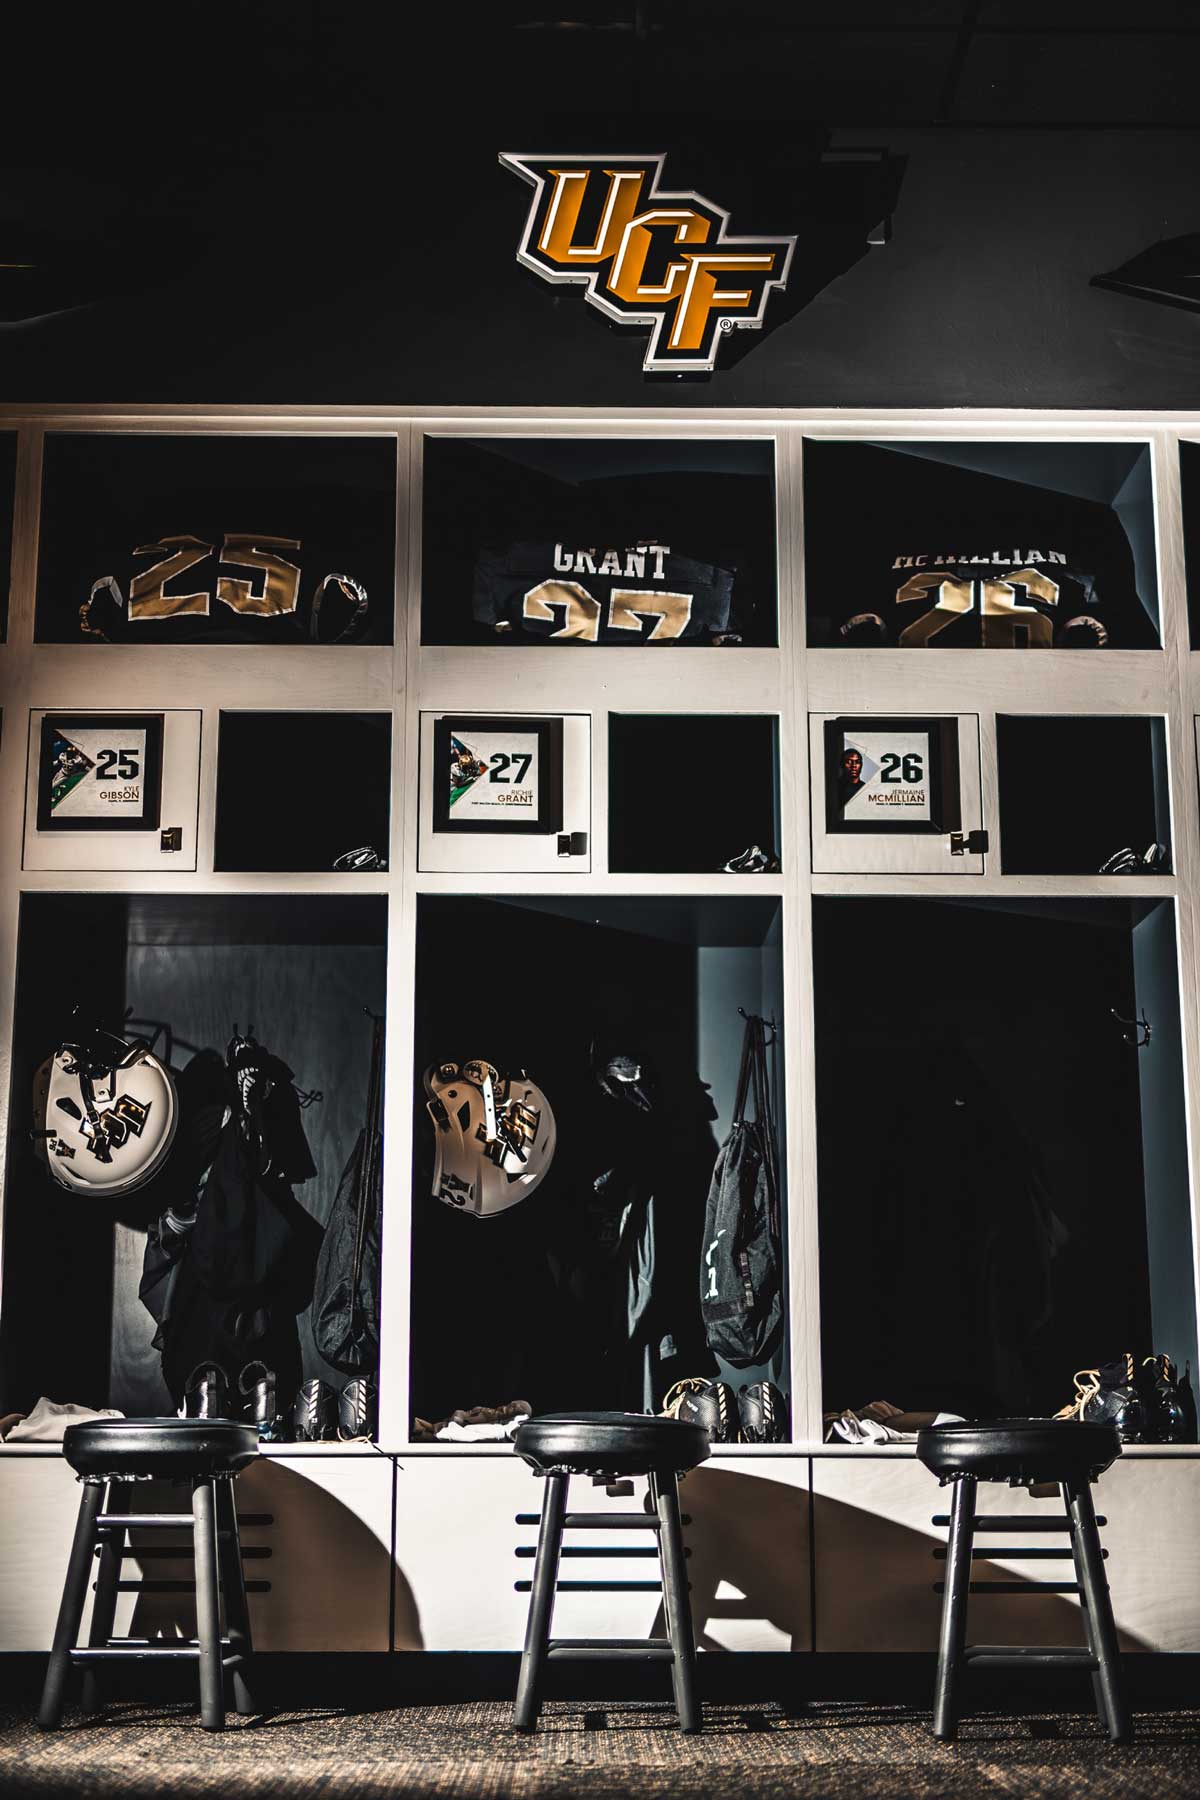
column 791, row 681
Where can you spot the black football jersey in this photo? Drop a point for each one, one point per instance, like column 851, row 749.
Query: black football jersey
column 562, row 592
column 906, row 552
column 216, row 540
column 244, row 586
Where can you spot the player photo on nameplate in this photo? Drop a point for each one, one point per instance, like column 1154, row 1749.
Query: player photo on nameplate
column 100, row 772
column 497, row 774
column 891, row 775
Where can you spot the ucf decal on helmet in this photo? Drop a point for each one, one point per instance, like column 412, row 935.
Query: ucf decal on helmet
column 495, row 1136
column 105, row 1113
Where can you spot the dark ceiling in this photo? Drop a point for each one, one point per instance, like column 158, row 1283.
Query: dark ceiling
column 234, row 151
column 120, row 117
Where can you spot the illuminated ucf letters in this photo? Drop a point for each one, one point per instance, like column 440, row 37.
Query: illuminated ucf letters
column 647, row 257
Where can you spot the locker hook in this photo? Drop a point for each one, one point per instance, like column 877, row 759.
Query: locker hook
column 1133, row 1027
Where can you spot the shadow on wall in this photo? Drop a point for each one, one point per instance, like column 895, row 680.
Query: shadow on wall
column 748, row 1564
column 875, row 1584
column 750, row 1574
column 329, row 1571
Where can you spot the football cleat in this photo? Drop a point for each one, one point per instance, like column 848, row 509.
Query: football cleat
column 707, row 1403
column 752, row 861
column 206, row 1393
column 762, row 1410
column 357, row 1405
column 1166, row 1417
column 365, row 857
column 314, row 1413
column 1154, row 860
column 1109, row 1395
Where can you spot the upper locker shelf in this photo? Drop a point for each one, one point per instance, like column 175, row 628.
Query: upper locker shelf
column 960, row 545
column 170, row 539
column 610, row 541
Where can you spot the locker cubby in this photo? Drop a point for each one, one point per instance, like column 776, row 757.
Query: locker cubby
column 1002, row 1170
column 1075, row 791
column 296, row 971
column 710, row 501
column 148, row 539
column 953, row 545
column 532, row 1303
column 688, row 791
column 299, row 790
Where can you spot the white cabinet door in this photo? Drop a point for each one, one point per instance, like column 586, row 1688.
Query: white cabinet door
column 330, row 1549
column 858, row 814
column 461, row 1556
column 327, row 1552
column 39, row 1500
column 875, row 1566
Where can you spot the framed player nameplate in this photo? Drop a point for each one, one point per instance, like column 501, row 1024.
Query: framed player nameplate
column 100, row 772
column 497, row 775
column 891, row 775
column 112, row 790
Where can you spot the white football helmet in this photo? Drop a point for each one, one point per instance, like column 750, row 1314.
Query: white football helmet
column 105, row 1114
column 495, row 1136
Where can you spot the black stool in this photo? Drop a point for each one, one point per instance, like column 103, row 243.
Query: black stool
column 613, row 1446
column 105, row 1453
column 1069, row 1454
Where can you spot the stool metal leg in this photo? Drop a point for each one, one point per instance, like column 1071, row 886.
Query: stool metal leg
column 541, row 1602
column 954, row 1607
column 233, row 1591
column 104, row 1609
column 676, row 1604
column 208, row 1610
column 1085, row 1613
column 1101, row 1629
column 70, row 1611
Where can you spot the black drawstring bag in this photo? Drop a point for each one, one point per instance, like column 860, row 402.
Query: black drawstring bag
column 345, row 1309
column 741, row 1286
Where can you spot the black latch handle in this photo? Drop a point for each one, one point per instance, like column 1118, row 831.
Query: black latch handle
column 970, row 843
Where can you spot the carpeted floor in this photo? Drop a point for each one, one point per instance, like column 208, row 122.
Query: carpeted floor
column 829, row 1750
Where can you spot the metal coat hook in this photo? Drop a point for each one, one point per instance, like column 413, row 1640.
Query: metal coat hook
column 1134, row 1027
column 767, row 1024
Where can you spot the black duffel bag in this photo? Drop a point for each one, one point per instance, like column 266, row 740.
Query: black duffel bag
column 741, row 1280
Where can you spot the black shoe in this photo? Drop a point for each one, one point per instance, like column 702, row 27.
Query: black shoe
column 314, row 1413
column 256, row 1384
column 707, row 1403
column 1109, row 1395
column 1154, row 860
column 206, row 1392
column 752, row 861
column 357, row 1406
column 763, row 1413
column 1166, row 1416
column 365, row 857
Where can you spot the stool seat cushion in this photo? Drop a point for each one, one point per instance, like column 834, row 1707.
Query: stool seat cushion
column 1020, row 1449
column 603, row 1443
column 167, row 1447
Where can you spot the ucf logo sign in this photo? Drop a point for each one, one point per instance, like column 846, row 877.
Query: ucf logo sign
column 647, row 257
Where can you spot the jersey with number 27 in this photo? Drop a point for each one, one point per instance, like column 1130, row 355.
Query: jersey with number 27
column 630, row 594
